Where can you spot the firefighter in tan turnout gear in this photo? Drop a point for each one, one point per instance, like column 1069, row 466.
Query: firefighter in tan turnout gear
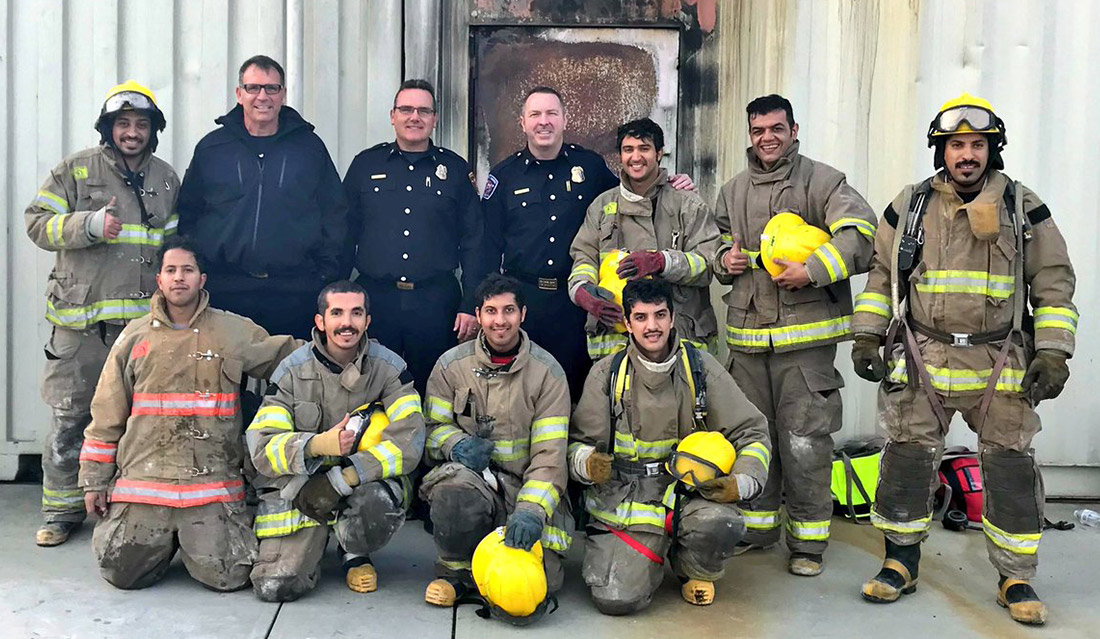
column 667, row 233
column 316, row 444
column 161, row 461
column 498, row 421
column 637, row 407
column 782, row 331
column 103, row 211
column 959, row 258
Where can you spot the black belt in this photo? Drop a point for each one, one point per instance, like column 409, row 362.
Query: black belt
column 644, row 469
column 404, row 285
column 960, row 339
column 543, row 283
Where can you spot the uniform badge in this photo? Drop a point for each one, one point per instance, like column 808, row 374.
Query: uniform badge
column 577, row 174
column 441, row 172
column 490, row 187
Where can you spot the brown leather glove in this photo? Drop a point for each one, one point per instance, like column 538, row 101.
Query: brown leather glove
column 720, row 489
column 866, row 357
column 598, row 467
column 1046, row 375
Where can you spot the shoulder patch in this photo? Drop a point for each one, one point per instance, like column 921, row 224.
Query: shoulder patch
column 141, row 349
column 611, row 208
column 890, row 216
column 541, row 354
column 300, row 356
column 80, row 172
column 1038, row 214
column 490, row 187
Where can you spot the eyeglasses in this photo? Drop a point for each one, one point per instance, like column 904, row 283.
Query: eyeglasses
column 270, row 89
column 421, row 111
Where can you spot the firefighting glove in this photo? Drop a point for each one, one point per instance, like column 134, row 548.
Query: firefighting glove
column 326, row 443
column 866, row 357
column 728, row 489
column 473, row 453
column 1046, row 376
column 598, row 303
column 522, row 530
column 641, row 264
column 598, row 467
column 320, row 495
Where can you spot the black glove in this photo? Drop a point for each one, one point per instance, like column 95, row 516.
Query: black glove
column 866, row 357
column 1046, row 376
column 522, row 530
column 473, row 453
column 317, row 498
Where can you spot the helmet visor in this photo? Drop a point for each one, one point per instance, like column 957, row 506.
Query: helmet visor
column 976, row 118
column 128, row 100
column 692, row 469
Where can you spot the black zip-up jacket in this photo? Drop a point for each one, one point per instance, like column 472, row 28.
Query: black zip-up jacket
column 271, row 207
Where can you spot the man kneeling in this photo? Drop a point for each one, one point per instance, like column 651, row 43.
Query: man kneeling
column 352, row 476
column 641, row 403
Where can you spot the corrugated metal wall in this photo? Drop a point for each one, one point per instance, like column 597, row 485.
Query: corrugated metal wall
column 865, row 77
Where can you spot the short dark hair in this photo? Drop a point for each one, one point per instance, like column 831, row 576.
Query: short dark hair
column 180, row 242
column 769, row 103
column 341, row 286
column 647, row 292
column 496, row 284
column 414, row 83
column 544, row 89
column 263, row 63
column 643, row 129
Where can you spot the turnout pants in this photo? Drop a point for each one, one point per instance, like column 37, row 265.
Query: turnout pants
column 799, row 393
column 1012, row 508
column 289, row 566
column 74, row 360
column 135, row 543
column 622, row 574
column 464, row 509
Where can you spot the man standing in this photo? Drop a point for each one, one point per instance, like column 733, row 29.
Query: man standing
column 161, row 461
column 263, row 202
column 535, row 202
column 415, row 217
column 313, row 469
column 956, row 261
column 782, row 331
column 669, row 234
column 637, row 407
column 498, row 418
column 104, row 211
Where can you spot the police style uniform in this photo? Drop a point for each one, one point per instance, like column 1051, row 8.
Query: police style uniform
column 415, row 218
column 533, row 210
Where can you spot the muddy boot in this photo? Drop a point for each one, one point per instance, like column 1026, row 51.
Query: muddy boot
column 898, row 575
column 698, row 592
column 55, row 533
column 443, row 592
column 805, row 564
column 1022, row 602
column 361, row 575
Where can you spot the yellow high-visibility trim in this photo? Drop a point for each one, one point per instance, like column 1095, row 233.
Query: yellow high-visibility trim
column 275, row 417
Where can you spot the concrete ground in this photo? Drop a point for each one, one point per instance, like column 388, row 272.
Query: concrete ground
column 57, row 592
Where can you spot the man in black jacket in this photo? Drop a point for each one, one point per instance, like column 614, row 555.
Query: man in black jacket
column 263, row 201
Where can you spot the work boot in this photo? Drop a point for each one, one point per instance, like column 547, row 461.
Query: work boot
column 897, row 577
column 743, row 547
column 55, row 533
column 805, row 564
column 1021, row 600
column 361, row 576
column 443, row 592
column 698, row 592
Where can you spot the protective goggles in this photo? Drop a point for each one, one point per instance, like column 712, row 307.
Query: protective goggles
column 979, row 120
column 692, row 469
column 128, row 100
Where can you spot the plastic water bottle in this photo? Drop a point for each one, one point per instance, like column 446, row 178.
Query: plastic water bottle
column 1087, row 518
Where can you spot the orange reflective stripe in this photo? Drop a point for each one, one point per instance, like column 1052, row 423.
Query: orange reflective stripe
column 177, row 495
column 98, row 451
column 185, row 404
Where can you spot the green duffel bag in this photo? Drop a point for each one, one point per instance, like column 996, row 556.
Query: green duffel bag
column 854, row 478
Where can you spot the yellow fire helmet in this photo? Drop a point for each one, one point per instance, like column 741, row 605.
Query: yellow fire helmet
column 130, row 96
column 701, row 456
column 368, row 421
column 512, row 580
column 610, row 280
column 788, row 237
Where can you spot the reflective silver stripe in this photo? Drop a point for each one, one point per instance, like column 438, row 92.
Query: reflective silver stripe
column 915, row 527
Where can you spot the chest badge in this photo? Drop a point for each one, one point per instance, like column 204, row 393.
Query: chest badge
column 441, row 172
column 577, row 174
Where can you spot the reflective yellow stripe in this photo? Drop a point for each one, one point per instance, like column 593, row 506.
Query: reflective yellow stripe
column 281, row 524
column 584, row 271
column 1056, row 317
column 605, row 344
column 636, row 449
column 1021, row 544
column 874, row 303
column 758, row 451
column 440, row 410
column 761, row 519
column 438, row 437
column 506, row 450
column 833, row 261
column 84, row 316
column 555, row 538
column 754, row 257
column 915, row 526
column 541, row 493
column 454, row 565
column 55, row 203
column 275, row 417
column 275, row 450
column 55, row 230
column 403, row 407
column 808, row 530
column 65, row 499
column 549, row 428
column 863, row 226
column 143, row 235
column 968, row 282
column 761, row 338
column 628, row 513
column 696, row 264
column 389, row 457
column 961, row 379
column 726, row 237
